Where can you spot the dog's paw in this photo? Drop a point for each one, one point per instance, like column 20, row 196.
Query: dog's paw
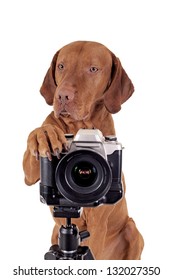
column 46, row 140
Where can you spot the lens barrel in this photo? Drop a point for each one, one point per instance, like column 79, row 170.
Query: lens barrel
column 83, row 177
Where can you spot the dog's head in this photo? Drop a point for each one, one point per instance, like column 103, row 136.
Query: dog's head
column 81, row 75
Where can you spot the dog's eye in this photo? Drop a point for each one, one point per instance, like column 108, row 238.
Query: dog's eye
column 93, row 69
column 60, row 66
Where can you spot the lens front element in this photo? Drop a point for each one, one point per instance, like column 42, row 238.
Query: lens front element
column 84, row 174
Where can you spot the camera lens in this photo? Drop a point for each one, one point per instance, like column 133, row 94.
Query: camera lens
column 84, row 174
column 83, row 177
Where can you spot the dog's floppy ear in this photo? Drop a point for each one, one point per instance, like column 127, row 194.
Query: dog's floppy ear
column 120, row 88
column 49, row 85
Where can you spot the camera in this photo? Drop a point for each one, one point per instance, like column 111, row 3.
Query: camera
column 87, row 175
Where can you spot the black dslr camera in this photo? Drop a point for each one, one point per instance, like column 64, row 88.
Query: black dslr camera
column 88, row 175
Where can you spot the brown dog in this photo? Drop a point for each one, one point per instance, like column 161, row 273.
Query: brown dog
column 85, row 84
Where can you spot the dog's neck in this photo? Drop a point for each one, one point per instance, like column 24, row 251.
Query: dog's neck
column 98, row 119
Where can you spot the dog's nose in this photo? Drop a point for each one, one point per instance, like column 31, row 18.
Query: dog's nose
column 65, row 95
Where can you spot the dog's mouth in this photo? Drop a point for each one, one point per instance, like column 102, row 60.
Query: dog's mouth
column 64, row 113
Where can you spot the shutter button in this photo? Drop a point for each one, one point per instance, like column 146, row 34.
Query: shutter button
column 110, row 138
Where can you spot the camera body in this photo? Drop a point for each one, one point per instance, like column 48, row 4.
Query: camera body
column 88, row 175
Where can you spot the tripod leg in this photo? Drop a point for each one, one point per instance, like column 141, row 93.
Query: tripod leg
column 88, row 256
column 52, row 254
column 84, row 253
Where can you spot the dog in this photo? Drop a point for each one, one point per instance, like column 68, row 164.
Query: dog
column 86, row 84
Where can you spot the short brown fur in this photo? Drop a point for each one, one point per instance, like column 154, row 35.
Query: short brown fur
column 85, row 84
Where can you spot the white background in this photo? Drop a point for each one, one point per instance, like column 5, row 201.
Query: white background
column 140, row 34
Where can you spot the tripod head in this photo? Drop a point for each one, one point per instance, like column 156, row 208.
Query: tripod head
column 66, row 212
column 69, row 238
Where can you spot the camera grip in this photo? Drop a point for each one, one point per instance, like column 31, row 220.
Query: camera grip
column 47, row 171
column 115, row 162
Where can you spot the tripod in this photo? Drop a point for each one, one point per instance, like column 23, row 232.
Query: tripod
column 69, row 238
